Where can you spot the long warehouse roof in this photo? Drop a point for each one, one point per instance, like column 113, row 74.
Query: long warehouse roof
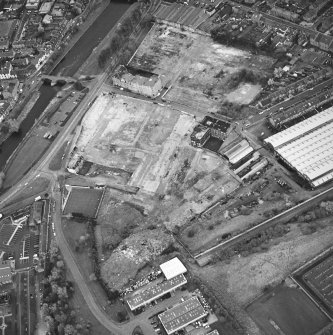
column 307, row 147
column 182, row 315
column 146, row 295
column 300, row 129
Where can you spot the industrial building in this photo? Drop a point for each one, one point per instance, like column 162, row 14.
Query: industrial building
column 200, row 135
column 173, row 271
column 145, row 296
column 138, row 81
column 238, row 152
column 181, row 315
column 307, row 147
column 172, row 268
column 208, row 128
column 36, row 213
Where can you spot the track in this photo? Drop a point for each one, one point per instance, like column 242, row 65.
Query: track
column 280, row 218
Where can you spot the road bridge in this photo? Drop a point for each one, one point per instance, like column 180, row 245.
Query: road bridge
column 55, row 79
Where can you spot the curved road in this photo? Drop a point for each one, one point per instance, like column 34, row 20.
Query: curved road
column 42, row 167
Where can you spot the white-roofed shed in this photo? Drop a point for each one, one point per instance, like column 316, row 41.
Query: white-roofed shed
column 173, row 268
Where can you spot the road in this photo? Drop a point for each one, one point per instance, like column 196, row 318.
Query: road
column 282, row 217
column 42, row 166
column 59, row 141
column 95, row 308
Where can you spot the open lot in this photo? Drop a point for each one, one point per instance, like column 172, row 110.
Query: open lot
column 83, row 200
column 135, row 136
column 197, row 69
column 287, row 311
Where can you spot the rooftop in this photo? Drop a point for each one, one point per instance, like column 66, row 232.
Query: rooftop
column 5, row 27
column 307, row 147
column 172, row 268
column 182, row 315
column 130, row 74
column 144, row 295
column 5, row 275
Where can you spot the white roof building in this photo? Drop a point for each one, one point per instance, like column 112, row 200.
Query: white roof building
column 173, row 268
column 307, row 147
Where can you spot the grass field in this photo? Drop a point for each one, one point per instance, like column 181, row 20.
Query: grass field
column 287, row 311
column 83, row 200
column 26, row 158
column 56, row 161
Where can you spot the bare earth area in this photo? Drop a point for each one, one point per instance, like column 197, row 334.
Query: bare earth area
column 135, row 136
column 197, row 69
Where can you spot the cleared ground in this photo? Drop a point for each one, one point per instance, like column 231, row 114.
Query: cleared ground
column 197, row 69
column 135, row 136
column 287, row 311
column 83, row 200
column 244, row 94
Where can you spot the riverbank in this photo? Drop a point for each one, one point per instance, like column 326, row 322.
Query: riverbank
column 82, row 28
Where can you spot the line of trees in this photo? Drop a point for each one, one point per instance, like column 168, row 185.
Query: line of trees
column 56, row 311
column 120, row 39
column 258, row 243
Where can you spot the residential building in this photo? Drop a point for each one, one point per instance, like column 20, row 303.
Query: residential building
column 139, row 81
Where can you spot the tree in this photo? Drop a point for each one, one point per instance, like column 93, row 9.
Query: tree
column 122, row 316
column 2, row 178
column 70, row 330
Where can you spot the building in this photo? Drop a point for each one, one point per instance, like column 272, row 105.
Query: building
column 143, row 297
column 200, row 135
column 45, row 8
column 6, row 282
column 172, row 268
column 255, row 169
column 307, row 147
column 285, row 13
column 138, row 81
column 37, row 213
column 181, row 315
column 32, row 4
column 207, row 128
column 322, row 41
column 238, row 152
column 214, row 332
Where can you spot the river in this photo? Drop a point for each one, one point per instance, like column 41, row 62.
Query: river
column 68, row 67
